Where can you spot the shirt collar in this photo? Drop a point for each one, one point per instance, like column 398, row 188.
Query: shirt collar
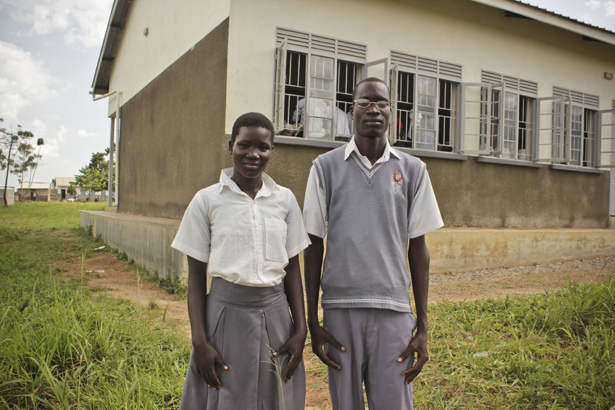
column 267, row 188
column 388, row 150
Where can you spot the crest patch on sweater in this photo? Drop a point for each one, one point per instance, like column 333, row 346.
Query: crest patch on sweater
column 397, row 177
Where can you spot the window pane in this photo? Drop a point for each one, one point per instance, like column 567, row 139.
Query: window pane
column 321, row 72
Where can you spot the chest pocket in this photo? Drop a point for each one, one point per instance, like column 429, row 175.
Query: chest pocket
column 275, row 236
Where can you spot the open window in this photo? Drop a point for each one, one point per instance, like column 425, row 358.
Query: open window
column 606, row 139
column 425, row 103
column 475, row 125
column 315, row 76
column 550, row 125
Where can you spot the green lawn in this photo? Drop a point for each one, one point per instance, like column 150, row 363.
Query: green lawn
column 61, row 349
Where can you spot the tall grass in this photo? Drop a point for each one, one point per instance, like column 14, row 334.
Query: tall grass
column 550, row 351
column 59, row 349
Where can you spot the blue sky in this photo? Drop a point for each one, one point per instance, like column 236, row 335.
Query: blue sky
column 48, row 55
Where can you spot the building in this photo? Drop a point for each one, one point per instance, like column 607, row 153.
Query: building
column 10, row 195
column 61, row 187
column 510, row 106
column 34, row 191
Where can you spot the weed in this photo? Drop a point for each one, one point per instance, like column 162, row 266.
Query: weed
column 121, row 256
column 152, row 304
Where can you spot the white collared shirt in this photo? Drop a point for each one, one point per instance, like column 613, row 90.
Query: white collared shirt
column 424, row 212
column 243, row 240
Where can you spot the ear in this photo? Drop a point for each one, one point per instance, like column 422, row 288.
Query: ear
column 230, row 147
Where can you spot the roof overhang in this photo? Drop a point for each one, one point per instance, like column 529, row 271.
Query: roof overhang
column 553, row 19
column 100, row 84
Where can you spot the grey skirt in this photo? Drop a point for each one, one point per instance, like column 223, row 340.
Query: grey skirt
column 246, row 325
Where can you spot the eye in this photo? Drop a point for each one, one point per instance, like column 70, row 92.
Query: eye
column 265, row 148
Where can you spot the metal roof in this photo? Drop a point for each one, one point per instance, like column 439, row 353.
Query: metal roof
column 100, row 84
column 564, row 16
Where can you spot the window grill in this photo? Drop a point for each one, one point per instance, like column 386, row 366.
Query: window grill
column 587, row 100
column 526, row 87
column 415, row 64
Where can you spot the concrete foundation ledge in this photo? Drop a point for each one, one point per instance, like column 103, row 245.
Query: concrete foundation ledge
column 462, row 249
column 146, row 240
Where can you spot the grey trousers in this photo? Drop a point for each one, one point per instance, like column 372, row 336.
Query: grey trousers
column 374, row 339
column 245, row 325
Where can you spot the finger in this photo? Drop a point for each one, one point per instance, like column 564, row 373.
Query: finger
column 334, row 343
column 325, row 359
column 413, row 373
column 285, row 348
column 406, row 353
column 295, row 359
column 220, row 363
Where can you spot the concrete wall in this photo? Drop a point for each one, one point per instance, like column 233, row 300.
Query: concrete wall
column 10, row 196
column 172, row 132
column 476, row 36
column 146, row 240
column 173, row 28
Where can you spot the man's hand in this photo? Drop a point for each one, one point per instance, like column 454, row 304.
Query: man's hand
column 206, row 358
column 294, row 347
column 417, row 345
column 319, row 337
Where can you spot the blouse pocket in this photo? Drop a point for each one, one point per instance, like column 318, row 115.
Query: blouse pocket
column 275, row 248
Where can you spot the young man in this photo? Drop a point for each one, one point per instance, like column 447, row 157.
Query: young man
column 369, row 198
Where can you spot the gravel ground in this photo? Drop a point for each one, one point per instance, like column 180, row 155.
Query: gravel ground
column 605, row 262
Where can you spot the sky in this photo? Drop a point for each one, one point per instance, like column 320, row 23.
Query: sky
column 48, row 55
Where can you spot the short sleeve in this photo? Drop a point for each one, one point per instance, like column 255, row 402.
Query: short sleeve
column 315, row 206
column 296, row 235
column 194, row 235
column 424, row 213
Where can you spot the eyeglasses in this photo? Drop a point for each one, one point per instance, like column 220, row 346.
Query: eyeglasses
column 364, row 103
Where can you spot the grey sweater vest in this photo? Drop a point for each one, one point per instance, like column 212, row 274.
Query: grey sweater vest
column 367, row 240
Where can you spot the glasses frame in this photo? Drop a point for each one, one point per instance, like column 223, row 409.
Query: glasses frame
column 376, row 103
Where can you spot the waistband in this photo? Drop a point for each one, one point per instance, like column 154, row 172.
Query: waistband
column 247, row 296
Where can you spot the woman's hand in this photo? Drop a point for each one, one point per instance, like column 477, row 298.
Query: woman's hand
column 206, row 359
column 294, row 347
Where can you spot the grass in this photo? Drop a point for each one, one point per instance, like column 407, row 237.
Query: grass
column 60, row 349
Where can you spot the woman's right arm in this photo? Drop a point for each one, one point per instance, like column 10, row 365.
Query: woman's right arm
column 205, row 356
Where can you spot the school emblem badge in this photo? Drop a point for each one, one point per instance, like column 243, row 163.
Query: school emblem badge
column 397, row 177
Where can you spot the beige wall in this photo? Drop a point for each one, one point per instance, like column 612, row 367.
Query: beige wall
column 173, row 132
column 460, row 31
column 174, row 28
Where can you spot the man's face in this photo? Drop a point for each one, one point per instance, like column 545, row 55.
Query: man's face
column 371, row 122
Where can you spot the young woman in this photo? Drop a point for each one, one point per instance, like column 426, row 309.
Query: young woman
column 248, row 231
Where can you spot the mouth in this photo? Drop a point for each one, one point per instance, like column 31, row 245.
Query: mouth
column 251, row 165
column 375, row 122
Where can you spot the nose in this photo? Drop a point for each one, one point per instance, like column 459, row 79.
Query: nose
column 373, row 109
column 253, row 153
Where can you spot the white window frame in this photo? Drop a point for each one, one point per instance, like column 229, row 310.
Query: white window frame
column 605, row 141
column 314, row 47
column 585, row 102
column 554, row 128
column 509, row 85
column 429, row 68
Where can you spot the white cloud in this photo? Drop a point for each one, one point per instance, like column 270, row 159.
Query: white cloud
column 85, row 134
column 38, row 128
column 53, row 145
column 610, row 8
column 593, row 4
column 23, row 81
column 83, row 22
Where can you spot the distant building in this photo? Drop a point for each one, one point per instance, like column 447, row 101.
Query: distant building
column 34, row 191
column 62, row 184
column 10, row 195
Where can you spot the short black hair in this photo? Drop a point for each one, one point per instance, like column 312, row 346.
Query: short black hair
column 252, row 119
column 367, row 80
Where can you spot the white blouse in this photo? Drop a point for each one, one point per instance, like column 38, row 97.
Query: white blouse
column 243, row 240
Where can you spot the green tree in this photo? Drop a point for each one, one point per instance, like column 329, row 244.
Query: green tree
column 95, row 176
column 71, row 189
column 17, row 153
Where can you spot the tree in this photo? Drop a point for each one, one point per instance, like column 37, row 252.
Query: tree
column 95, row 176
column 26, row 159
column 71, row 189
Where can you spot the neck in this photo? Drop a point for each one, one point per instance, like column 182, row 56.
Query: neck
column 250, row 186
column 371, row 147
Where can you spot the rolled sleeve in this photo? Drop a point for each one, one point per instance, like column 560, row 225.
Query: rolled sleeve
column 296, row 235
column 315, row 206
column 194, row 235
column 424, row 213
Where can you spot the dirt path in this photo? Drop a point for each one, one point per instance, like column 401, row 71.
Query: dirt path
column 106, row 274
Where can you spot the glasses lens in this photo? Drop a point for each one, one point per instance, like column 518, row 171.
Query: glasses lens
column 363, row 103
column 382, row 105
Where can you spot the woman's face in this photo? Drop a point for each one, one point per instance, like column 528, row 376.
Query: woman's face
column 251, row 151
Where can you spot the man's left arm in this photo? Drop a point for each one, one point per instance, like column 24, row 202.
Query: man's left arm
column 418, row 258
